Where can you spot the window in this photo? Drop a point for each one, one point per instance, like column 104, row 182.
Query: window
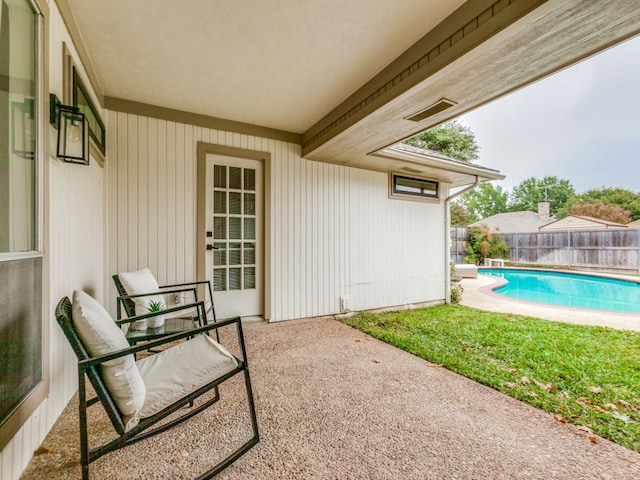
column 18, row 85
column 234, row 228
column 22, row 363
column 412, row 187
column 83, row 102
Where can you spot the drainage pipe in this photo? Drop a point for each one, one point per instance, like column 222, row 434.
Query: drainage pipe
column 447, row 237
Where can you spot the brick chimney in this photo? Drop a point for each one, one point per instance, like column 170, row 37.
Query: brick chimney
column 544, row 210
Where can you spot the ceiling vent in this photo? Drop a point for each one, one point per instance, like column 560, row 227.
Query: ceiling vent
column 437, row 107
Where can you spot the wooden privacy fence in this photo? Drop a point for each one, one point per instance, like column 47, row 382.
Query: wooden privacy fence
column 614, row 250
column 459, row 236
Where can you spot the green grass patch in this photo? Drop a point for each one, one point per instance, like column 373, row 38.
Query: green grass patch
column 589, row 376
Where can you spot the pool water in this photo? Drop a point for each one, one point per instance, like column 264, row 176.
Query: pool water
column 569, row 289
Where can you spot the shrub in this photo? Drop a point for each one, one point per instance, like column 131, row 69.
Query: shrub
column 455, row 285
column 483, row 243
column 456, row 292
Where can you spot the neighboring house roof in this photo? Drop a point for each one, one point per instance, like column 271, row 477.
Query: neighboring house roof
column 580, row 222
column 513, row 222
column 634, row 224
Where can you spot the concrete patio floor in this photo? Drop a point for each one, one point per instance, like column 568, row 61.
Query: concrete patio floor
column 333, row 403
column 478, row 294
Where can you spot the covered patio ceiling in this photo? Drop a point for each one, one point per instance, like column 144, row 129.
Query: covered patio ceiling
column 342, row 78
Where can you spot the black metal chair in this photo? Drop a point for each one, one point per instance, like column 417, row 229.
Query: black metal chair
column 174, row 324
column 93, row 368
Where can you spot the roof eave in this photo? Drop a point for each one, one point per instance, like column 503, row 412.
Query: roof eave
column 442, row 164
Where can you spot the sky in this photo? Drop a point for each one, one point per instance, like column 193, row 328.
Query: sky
column 581, row 124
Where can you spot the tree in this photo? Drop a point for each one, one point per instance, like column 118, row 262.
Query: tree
column 451, row 139
column 625, row 199
column 612, row 213
column 528, row 193
column 459, row 215
column 485, row 200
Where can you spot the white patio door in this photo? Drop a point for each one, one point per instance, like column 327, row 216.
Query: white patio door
column 235, row 239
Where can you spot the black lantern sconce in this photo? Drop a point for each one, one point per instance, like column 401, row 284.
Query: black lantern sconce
column 73, row 132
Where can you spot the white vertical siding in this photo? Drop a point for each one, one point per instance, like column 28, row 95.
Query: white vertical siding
column 397, row 254
column 75, row 241
column 334, row 231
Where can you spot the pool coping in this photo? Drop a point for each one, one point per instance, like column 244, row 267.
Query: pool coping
column 586, row 273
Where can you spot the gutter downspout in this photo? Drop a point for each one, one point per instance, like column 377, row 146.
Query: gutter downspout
column 447, row 237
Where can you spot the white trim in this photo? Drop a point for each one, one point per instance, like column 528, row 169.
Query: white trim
column 10, row 256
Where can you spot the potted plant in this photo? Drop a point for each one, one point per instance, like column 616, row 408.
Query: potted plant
column 153, row 307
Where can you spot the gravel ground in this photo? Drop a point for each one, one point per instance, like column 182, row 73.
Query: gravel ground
column 333, row 403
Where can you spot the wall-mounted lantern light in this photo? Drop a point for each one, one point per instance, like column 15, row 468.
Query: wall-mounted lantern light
column 73, row 132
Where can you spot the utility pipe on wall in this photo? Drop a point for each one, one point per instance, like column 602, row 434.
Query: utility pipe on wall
column 447, row 237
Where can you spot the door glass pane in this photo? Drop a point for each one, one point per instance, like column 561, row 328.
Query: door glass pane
column 249, row 179
column 235, row 178
column 235, row 228
column 249, row 203
column 235, row 203
column 219, row 279
column 249, row 278
column 219, row 202
column 235, row 277
column 249, row 253
column 219, row 176
column 18, row 67
column 235, row 254
column 249, row 228
column 220, row 254
column 219, row 228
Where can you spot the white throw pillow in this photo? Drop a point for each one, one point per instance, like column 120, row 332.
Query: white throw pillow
column 143, row 281
column 100, row 336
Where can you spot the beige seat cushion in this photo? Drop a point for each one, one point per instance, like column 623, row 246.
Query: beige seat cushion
column 178, row 371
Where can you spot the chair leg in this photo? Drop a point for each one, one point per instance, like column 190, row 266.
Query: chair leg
column 84, row 439
column 252, row 408
column 248, row 445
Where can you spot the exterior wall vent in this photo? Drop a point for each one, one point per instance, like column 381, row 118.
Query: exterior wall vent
column 437, row 107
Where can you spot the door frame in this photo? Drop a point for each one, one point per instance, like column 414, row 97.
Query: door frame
column 201, row 211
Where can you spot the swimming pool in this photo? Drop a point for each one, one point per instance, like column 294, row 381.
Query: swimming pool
column 568, row 289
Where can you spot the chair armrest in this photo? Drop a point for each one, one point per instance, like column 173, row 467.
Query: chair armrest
column 163, row 292
column 186, row 306
column 197, row 282
column 95, row 361
column 120, row 300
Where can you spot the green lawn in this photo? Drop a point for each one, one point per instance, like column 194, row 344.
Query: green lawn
column 589, row 376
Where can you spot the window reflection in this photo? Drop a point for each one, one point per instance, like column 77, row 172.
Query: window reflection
column 17, row 127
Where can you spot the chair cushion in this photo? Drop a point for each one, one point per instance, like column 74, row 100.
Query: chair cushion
column 143, row 281
column 100, row 336
column 173, row 373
